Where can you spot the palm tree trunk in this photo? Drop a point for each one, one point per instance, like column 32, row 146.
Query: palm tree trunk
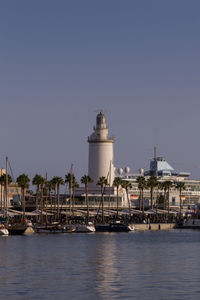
column 157, row 206
column 1, row 196
column 37, row 196
column 50, row 197
column 129, row 205
column 55, row 203
column 87, row 203
column 46, row 203
column 168, row 202
column 102, row 200
column 23, row 200
column 140, row 206
column 73, row 202
column 58, row 201
column 142, row 195
column 151, row 198
column 180, row 201
column 41, row 202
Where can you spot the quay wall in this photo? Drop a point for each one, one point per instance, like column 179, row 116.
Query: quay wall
column 155, row 226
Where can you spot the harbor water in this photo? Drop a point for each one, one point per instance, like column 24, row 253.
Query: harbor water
column 134, row 265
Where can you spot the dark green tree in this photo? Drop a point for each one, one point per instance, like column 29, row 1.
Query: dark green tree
column 58, row 181
column 180, row 186
column 102, row 182
column 151, row 184
column 142, row 184
column 23, row 181
column 86, row 179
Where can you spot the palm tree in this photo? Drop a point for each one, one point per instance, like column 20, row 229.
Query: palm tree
column 41, row 197
column 86, row 179
column 102, row 182
column 38, row 180
column 141, row 186
column 49, row 186
column 152, row 183
column 46, row 194
column 69, row 178
column 58, row 181
column 180, row 186
column 167, row 186
column 127, row 185
column 23, row 181
column 3, row 184
column 53, row 186
column 159, row 188
column 117, row 182
column 75, row 186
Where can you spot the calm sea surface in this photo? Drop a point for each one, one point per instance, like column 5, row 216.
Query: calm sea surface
column 137, row 265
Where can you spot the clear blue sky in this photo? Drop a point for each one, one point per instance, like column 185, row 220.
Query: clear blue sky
column 62, row 60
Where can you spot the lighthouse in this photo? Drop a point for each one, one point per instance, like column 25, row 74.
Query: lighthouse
column 101, row 154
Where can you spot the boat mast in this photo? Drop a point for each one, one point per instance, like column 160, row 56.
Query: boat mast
column 71, row 178
column 109, row 182
column 6, row 194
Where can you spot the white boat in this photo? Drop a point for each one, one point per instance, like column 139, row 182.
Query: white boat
column 89, row 227
column 191, row 224
column 3, row 230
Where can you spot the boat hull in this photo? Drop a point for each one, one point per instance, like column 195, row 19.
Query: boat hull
column 24, row 230
column 114, row 227
column 85, row 228
column 4, row 232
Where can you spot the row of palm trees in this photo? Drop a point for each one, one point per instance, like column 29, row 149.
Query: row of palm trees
column 152, row 183
column 44, row 189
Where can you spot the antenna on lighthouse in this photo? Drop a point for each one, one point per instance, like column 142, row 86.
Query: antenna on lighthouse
column 103, row 111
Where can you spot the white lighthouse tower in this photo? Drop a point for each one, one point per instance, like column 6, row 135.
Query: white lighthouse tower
column 101, row 156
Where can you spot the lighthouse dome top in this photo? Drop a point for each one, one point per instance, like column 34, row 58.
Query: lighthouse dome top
column 101, row 121
column 100, row 133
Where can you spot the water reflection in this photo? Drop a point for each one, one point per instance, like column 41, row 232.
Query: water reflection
column 108, row 277
column 162, row 265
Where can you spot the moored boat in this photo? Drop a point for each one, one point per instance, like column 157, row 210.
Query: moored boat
column 3, row 230
column 89, row 227
column 21, row 229
column 55, row 228
column 189, row 224
column 114, row 227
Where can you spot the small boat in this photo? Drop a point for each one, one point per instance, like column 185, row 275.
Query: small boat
column 21, row 229
column 189, row 224
column 3, row 230
column 48, row 228
column 55, row 228
column 89, row 227
column 115, row 227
